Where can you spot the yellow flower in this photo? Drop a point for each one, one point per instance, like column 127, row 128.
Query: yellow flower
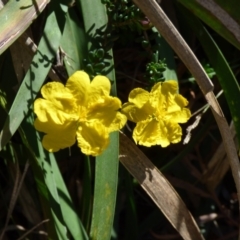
column 82, row 110
column 157, row 114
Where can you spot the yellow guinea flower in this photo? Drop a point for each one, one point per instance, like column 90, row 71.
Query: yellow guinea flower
column 157, row 114
column 82, row 110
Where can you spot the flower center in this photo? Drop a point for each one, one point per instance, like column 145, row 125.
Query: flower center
column 82, row 114
column 159, row 114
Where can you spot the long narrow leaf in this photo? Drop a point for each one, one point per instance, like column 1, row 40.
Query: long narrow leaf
column 106, row 174
column 69, row 213
column 76, row 49
column 37, row 73
column 166, row 53
column 159, row 189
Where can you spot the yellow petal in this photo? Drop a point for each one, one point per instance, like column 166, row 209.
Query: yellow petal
column 79, row 85
column 48, row 111
column 134, row 113
column 92, row 137
column 168, row 91
column 118, row 122
column 58, row 136
column 181, row 101
column 59, row 96
column 52, row 90
column 169, row 87
column 100, row 87
column 156, row 99
column 147, row 132
column 138, row 96
column 175, row 103
column 174, row 132
column 162, row 95
column 152, row 132
column 181, row 116
column 107, row 113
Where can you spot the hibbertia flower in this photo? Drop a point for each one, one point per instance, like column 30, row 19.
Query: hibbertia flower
column 157, row 114
column 82, row 110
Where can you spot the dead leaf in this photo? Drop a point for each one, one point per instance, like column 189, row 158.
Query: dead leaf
column 159, row 189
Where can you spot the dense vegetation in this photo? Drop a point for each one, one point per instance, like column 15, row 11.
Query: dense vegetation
column 187, row 190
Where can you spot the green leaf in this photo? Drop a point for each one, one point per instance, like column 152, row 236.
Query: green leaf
column 86, row 205
column 105, row 189
column 70, row 217
column 52, row 187
column 166, row 52
column 37, row 73
column 44, row 181
column 106, row 173
column 75, row 49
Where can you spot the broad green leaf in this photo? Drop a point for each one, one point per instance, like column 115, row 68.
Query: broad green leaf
column 37, row 73
column 15, row 18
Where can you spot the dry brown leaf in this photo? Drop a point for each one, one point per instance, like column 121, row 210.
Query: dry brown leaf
column 11, row 29
column 159, row 19
column 159, row 189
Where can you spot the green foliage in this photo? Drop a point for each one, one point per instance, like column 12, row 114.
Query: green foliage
column 66, row 195
column 154, row 71
column 124, row 14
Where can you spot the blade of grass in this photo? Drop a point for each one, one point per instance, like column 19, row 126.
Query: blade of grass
column 105, row 190
column 37, row 73
column 86, row 204
column 16, row 17
column 106, row 172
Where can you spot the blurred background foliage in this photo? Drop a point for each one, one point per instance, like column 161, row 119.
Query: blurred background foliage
column 67, row 195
